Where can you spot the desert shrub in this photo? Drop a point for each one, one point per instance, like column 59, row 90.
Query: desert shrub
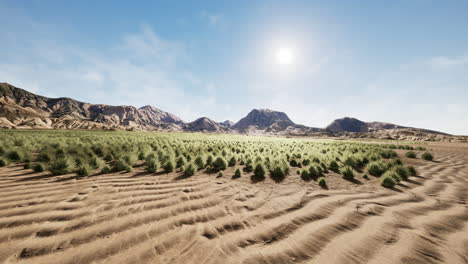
column 395, row 162
column 232, row 161
column 322, row 182
column 106, row 169
column 3, row 162
column 27, row 166
column 420, row 148
column 305, row 175
column 14, row 155
column 393, row 174
column 411, row 170
column 130, row 159
column 181, row 161
column 219, row 164
column 62, row 165
column 200, row 162
column 220, row 174
column 314, row 171
column 121, row 165
column 209, row 160
column 190, row 169
column 401, row 171
column 169, row 166
column 259, row 171
column 347, row 173
column 85, row 170
column 333, row 166
column 410, row 154
column 387, row 181
column 376, row 168
column 365, row 176
column 96, row 162
column 294, row 163
column 152, row 165
column 427, row 156
column 39, row 167
column 387, row 154
column 237, row 173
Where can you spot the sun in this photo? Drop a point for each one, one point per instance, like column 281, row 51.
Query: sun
column 284, row 56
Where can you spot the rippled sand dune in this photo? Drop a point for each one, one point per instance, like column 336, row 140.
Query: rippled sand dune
column 146, row 218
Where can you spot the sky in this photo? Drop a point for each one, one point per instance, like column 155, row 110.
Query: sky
column 404, row 62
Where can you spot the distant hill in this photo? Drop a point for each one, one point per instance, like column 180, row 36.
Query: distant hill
column 20, row 109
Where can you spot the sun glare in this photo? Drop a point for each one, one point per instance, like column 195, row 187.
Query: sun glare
column 284, row 56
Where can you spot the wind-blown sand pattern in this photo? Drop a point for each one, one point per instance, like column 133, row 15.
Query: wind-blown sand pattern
column 145, row 218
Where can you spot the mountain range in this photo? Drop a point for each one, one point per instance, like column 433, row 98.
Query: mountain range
column 20, row 109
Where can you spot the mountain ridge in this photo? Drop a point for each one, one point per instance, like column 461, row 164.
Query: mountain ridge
column 22, row 109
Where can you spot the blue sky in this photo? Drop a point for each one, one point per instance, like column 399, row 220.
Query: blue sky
column 404, row 62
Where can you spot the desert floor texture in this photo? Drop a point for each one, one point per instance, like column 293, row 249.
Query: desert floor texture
column 140, row 217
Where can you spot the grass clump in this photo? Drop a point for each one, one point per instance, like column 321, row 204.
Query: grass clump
column 259, row 171
column 169, row 166
column 14, row 155
column 376, row 168
column 410, row 154
column 219, row 164
column 237, row 173
column 85, row 170
column 347, row 173
column 39, row 167
column 387, row 180
column 427, row 156
column 322, row 182
column 152, row 165
column 4, row 162
column 106, row 169
column 190, row 169
column 411, row 170
column 62, row 166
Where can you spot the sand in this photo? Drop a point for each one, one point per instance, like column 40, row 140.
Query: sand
column 139, row 217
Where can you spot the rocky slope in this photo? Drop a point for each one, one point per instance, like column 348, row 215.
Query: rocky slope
column 22, row 109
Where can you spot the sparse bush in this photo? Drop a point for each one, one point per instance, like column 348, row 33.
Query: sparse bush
column 220, row 174
column 365, row 176
column 401, row 171
column 347, row 173
column 190, row 169
column 14, row 155
column 106, row 169
column 200, row 162
column 3, row 162
column 62, row 166
column 39, row 167
column 238, row 173
column 376, row 168
column 181, row 161
column 27, row 166
column 322, row 182
column 219, row 164
column 427, row 156
column 152, row 165
column 410, row 154
column 387, row 181
column 333, row 166
column 411, row 171
column 85, row 170
column 259, row 171
column 232, row 161
column 169, row 166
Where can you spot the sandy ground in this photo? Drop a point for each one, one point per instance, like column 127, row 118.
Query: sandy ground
column 145, row 218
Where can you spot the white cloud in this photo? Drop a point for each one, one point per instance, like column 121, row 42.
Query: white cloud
column 448, row 62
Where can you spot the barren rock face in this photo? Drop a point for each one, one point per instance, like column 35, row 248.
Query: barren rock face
column 263, row 118
column 22, row 109
column 347, row 124
column 205, row 124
